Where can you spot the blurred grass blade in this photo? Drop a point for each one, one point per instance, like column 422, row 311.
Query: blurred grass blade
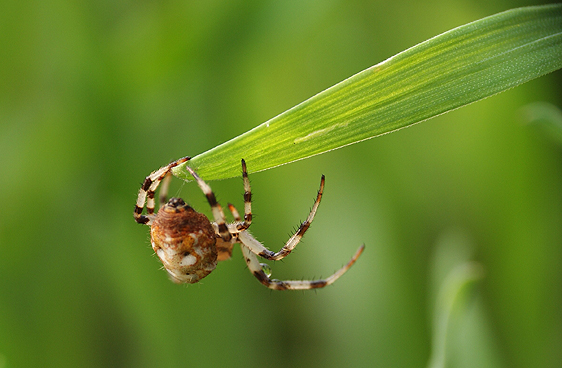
column 458, row 67
column 461, row 335
column 546, row 117
column 451, row 304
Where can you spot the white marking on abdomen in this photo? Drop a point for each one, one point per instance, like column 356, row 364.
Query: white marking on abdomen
column 188, row 260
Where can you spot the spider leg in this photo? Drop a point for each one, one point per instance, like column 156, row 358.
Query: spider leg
column 247, row 199
column 241, row 226
column 256, row 247
column 234, row 212
column 146, row 192
column 216, row 208
column 224, row 249
column 163, row 195
column 256, row 269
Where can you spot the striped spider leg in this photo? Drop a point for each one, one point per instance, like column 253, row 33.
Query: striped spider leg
column 190, row 245
column 251, row 247
column 257, row 268
column 148, row 188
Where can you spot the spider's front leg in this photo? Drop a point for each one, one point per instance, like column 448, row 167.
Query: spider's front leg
column 247, row 200
column 216, row 208
column 147, row 190
column 257, row 248
column 243, row 225
column 255, row 268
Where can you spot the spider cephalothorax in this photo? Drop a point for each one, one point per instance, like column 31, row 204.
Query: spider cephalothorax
column 190, row 245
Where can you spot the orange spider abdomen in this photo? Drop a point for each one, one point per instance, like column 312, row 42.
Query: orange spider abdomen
column 185, row 242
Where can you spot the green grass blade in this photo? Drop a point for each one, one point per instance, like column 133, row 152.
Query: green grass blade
column 448, row 71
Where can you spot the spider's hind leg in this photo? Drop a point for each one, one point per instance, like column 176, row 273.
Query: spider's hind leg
column 256, row 269
column 256, row 247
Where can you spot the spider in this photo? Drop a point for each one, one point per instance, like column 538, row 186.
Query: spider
column 189, row 245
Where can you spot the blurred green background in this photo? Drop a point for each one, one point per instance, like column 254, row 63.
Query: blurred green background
column 94, row 95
